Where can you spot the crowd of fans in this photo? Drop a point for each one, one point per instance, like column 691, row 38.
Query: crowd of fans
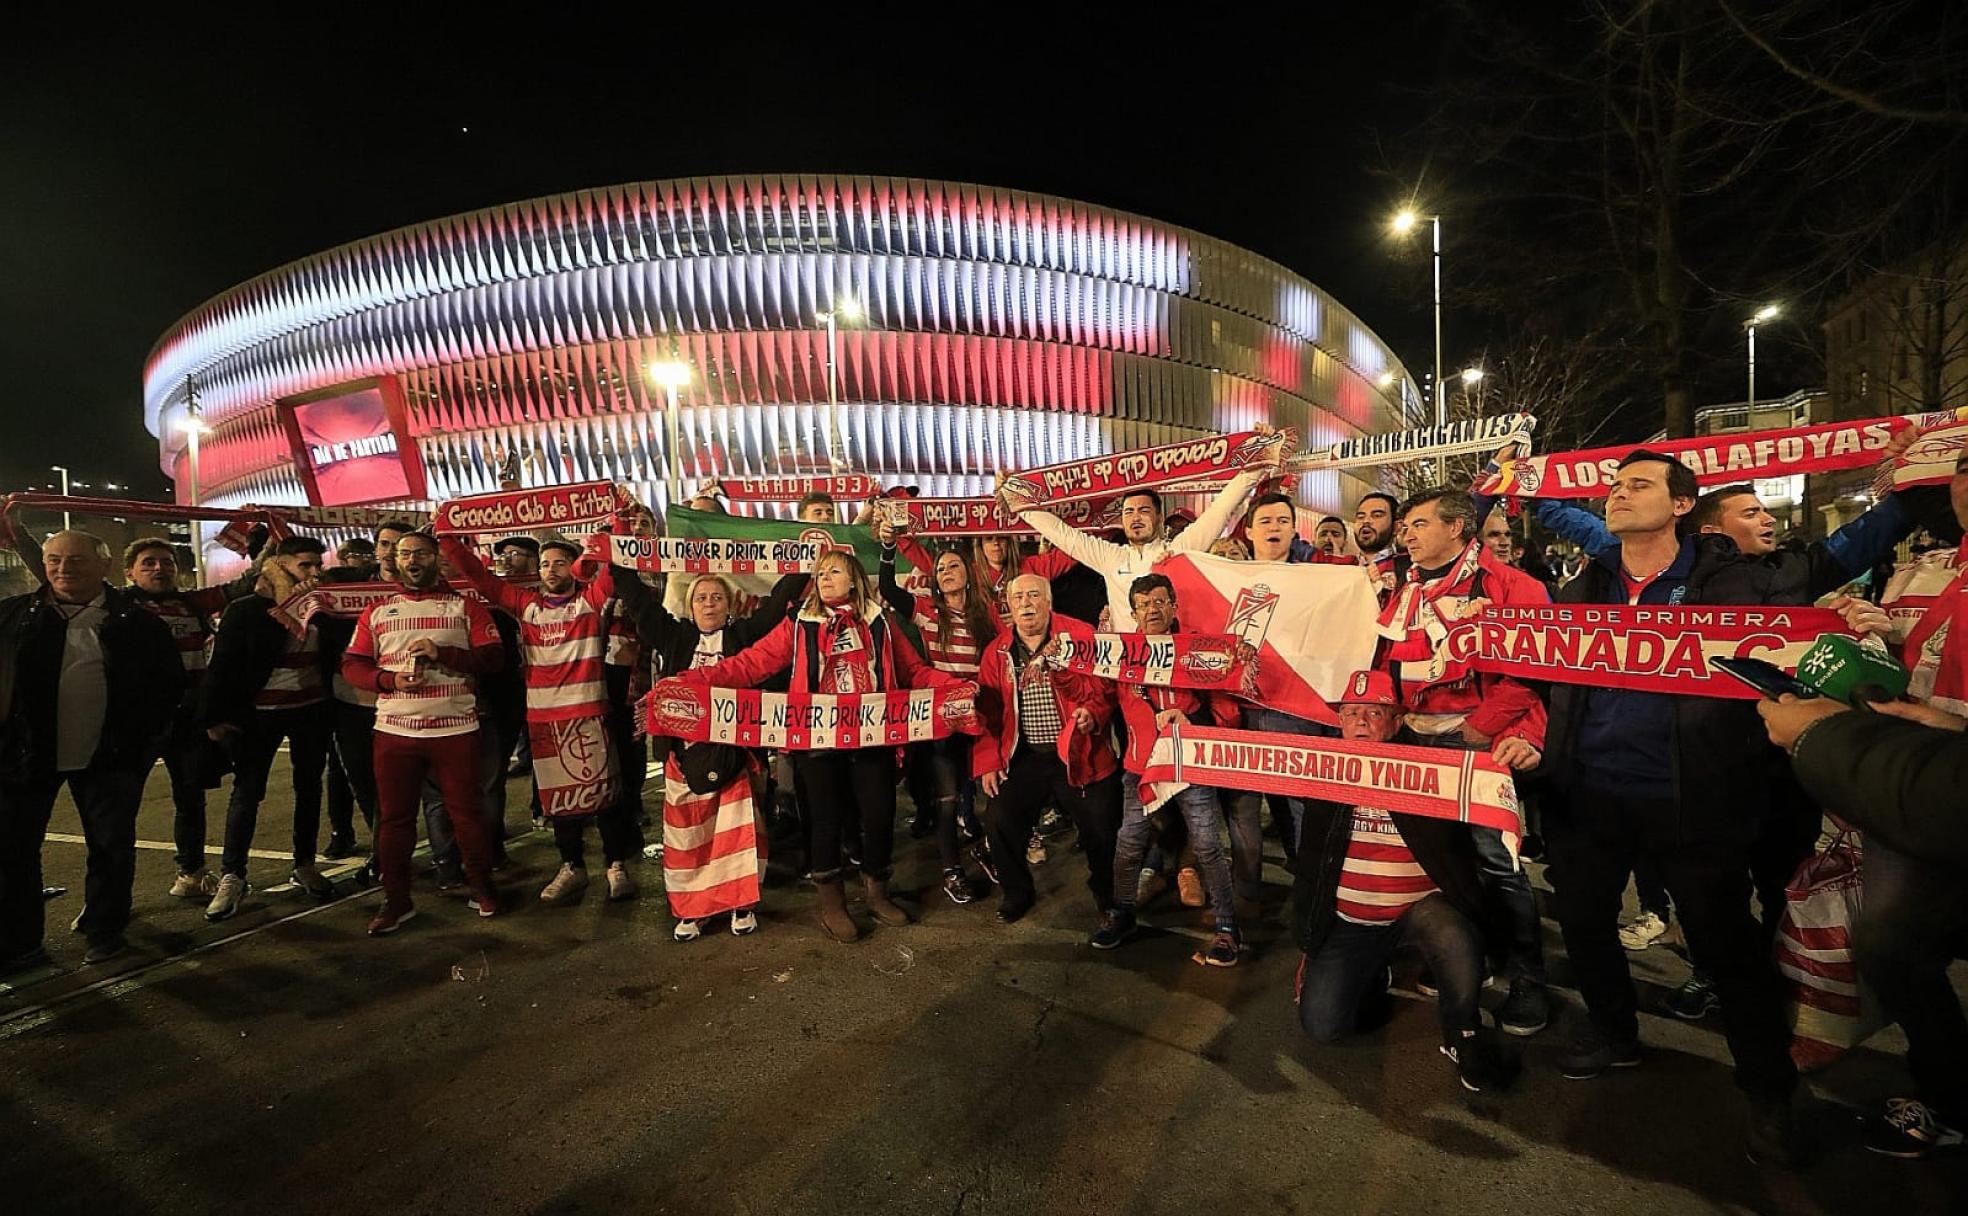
column 417, row 709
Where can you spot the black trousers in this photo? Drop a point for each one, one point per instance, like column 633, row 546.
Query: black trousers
column 849, row 786
column 1916, row 923
column 1594, row 842
column 355, row 750
column 1036, row 780
column 307, row 731
column 107, row 800
column 184, row 761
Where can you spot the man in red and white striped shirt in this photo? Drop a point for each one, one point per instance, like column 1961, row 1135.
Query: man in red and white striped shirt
column 1370, row 884
column 419, row 651
column 563, row 643
column 266, row 685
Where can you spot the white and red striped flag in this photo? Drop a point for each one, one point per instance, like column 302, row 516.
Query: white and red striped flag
column 1312, row 625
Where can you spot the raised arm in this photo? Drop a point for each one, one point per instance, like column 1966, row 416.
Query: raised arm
column 1575, row 524
column 465, row 560
column 1082, row 548
column 1209, row 526
column 751, row 666
column 891, row 591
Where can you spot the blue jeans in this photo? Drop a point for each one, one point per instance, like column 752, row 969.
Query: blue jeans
column 1259, row 718
column 1242, row 814
column 1507, row 884
column 1197, row 803
column 1342, row 987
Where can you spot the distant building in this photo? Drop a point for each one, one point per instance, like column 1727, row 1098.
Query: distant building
column 1897, row 343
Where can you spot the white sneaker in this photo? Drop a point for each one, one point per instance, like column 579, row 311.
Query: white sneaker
column 226, row 900
column 744, row 921
column 687, row 931
column 202, row 885
column 621, row 883
column 1643, row 931
column 566, row 886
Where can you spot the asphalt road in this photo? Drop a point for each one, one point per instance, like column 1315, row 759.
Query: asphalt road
column 578, row 1060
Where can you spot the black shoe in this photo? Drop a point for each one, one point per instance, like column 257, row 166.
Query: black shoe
column 1011, row 913
column 451, row 881
column 1908, row 1128
column 25, row 961
column 1116, row 926
column 106, row 949
column 1526, row 1010
column 1694, row 1000
column 920, row 827
column 982, row 856
column 1481, row 1064
column 1772, row 1137
column 339, row 847
column 1593, row 1053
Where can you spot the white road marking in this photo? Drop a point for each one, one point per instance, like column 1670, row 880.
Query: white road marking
column 164, row 846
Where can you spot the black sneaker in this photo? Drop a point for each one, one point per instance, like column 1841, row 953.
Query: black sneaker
column 25, row 961
column 1010, row 913
column 921, row 826
column 1907, row 1129
column 1116, row 926
column 1526, row 1010
column 1481, row 1064
column 1694, row 1000
column 1771, row 1138
column 981, row 854
column 957, row 887
column 451, row 881
column 1593, row 1053
column 104, row 950
column 339, row 848
column 1052, row 823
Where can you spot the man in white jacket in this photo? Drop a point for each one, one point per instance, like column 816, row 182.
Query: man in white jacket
column 1147, row 539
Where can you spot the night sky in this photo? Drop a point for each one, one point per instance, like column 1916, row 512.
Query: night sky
column 150, row 166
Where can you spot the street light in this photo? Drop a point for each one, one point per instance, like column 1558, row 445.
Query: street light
column 1405, row 221
column 672, row 374
column 193, row 425
column 1768, row 312
column 846, row 308
column 1472, row 377
column 64, row 472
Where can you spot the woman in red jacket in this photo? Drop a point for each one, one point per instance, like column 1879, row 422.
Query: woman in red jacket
column 955, row 622
column 840, row 641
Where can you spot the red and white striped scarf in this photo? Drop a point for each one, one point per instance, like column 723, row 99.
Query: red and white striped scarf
column 1412, row 622
column 1937, row 647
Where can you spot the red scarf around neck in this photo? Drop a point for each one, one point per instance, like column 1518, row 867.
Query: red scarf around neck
column 1411, row 620
column 1945, row 624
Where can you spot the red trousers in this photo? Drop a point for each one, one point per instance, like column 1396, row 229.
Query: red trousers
column 402, row 763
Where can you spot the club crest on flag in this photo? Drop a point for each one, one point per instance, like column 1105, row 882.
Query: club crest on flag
column 1251, row 613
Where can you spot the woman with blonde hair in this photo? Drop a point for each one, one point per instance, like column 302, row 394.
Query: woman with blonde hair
column 840, row 641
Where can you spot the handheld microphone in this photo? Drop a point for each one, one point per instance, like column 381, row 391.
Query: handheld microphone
column 1839, row 667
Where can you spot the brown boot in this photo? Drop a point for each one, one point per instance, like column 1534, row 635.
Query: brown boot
column 880, row 906
column 833, row 912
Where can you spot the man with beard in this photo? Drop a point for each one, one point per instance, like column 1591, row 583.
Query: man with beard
column 420, row 651
column 1373, row 532
column 562, row 639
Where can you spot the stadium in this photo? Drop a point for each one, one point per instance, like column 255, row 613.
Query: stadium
column 973, row 329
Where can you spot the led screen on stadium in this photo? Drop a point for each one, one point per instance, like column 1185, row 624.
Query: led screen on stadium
column 345, row 442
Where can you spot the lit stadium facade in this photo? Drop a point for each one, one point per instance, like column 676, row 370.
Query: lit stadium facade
column 996, row 330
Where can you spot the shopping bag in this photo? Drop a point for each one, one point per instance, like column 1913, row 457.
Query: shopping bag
column 1829, row 1014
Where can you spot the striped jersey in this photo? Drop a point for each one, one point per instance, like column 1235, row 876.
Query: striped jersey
column 447, row 704
column 563, row 641
column 1380, row 878
column 958, row 653
column 190, row 626
column 296, row 677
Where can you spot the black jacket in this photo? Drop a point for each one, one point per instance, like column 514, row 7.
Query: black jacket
column 1718, row 749
column 1443, row 848
column 146, row 682
column 249, row 645
column 671, row 643
column 1905, row 783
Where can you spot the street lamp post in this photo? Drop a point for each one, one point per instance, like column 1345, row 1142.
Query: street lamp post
column 64, row 472
column 672, row 374
column 1404, row 223
column 194, row 428
column 1765, row 313
column 846, row 308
